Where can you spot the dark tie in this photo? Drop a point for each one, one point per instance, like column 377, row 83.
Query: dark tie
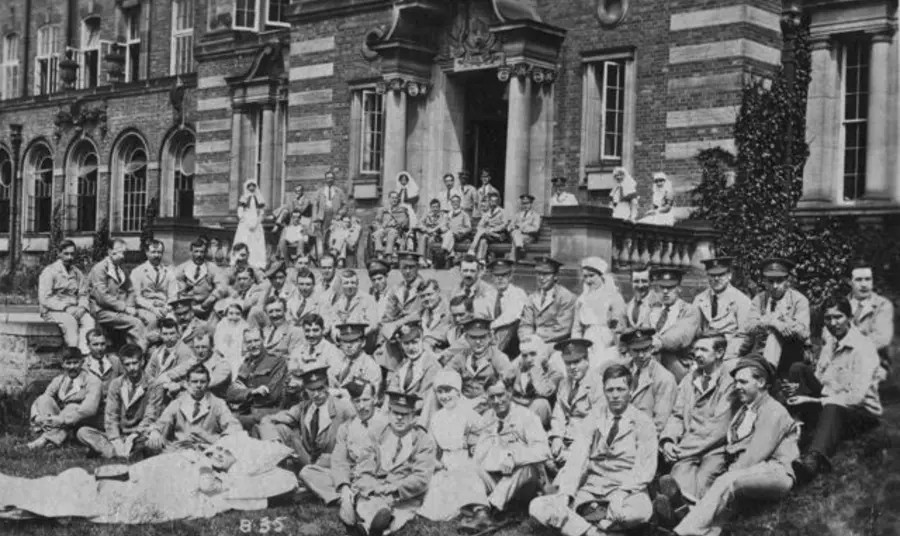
column 197, row 273
column 314, row 425
column 573, row 393
column 715, row 305
column 399, row 448
column 859, row 311
column 271, row 336
column 636, row 312
column 407, row 381
column 704, row 382
column 613, row 430
column 165, row 358
column 405, row 293
column 772, row 303
column 663, row 317
column 196, row 410
column 345, row 372
column 157, row 274
column 497, row 305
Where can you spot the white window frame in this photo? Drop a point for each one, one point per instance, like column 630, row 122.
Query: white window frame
column 132, row 19
column 9, row 68
column 284, row 14
column 846, row 122
column 610, row 68
column 182, row 49
column 89, row 45
column 39, row 155
column 256, row 119
column 253, row 9
column 48, row 49
column 368, row 129
column 134, row 203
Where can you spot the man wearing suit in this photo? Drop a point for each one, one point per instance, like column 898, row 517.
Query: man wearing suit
column 654, row 388
column 102, row 364
column 416, row 372
column 676, row 322
column 112, row 297
column 723, row 309
column 201, row 279
column 328, row 201
column 491, row 228
column 63, row 297
column 550, row 310
column 154, row 286
column 638, row 307
column 404, row 304
column 524, row 227
column 480, row 363
column 259, row 387
column 507, row 308
column 473, row 287
column 459, row 226
column 580, row 391
column 391, row 225
column 873, row 314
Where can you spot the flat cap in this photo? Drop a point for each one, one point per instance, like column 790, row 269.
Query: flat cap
column 275, row 268
column 638, row 338
column 666, row 277
column 351, row 332
column 378, row 267
column 357, row 387
column 547, row 265
column 573, row 349
column 402, row 402
column 181, row 299
column 718, row 265
column 776, row 267
column 409, row 256
column 757, row 362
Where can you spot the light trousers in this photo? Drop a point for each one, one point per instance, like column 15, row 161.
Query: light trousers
column 696, row 474
column 636, row 509
column 73, row 331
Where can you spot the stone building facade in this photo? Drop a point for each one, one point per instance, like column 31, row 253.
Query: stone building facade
column 183, row 100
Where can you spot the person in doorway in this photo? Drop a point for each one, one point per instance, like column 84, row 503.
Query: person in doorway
column 468, row 193
column 486, row 189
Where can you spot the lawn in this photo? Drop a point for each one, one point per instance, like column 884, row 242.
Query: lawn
column 852, row 500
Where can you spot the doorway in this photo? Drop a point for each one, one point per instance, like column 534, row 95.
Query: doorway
column 486, row 114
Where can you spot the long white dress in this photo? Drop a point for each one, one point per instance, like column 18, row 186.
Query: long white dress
column 458, row 483
column 250, row 229
column 593, row 311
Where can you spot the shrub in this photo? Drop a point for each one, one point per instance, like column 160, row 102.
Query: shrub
column 100, row 246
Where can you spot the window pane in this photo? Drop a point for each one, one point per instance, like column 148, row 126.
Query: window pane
column 278, row 10
column 613, row 92
column 372, row 132
column 856, row 112
column 134, row 190
column 245, row 14
column 184, row 184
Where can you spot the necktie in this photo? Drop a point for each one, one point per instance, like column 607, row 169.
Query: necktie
column 196, row 410
column 543, row 298
column 405, row 293
column 715, row 305
column 165, row 359
column 613, row 430
column 403, row 194
column 314, row 424
column 663, row 317
column 399, row 448
column 772, row 303
column 301, row 308
column 157, row 274
column 345, row 372
column 704, row 382
column 500, row 425
column 197, row 272
column 271, row 336
column 859, row 309
column 738, row 420
column 407, row 381
column 498, row 304
column 636, row 312
column 574, row 392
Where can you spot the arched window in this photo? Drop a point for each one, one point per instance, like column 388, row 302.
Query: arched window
column 40, row 189
column 82, row 173
column 6, row 176
column 131, row 172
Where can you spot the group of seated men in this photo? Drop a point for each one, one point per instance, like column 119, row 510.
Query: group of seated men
column 704, row 398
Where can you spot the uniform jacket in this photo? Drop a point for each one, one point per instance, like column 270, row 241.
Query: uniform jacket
column 259, row 294
column 528, row 222
column 106, row 370
column 352, row 442
column 568, row 415
column 875, row 319
column 445, row 196
column 655, row 393
column 459, row 223
column 128, row 407
column 474, row 375
column 522, row 436
column 681, row 327
column 542, row 380
column 59, row 288
column 360, row 309
column 402, row 304
column 552, row 319
column 627, row 464
column 493, row 221
column 363, row 367
column 791, row 312
column 282, row 340
column 78, row 398
column 699, row 420
column 409, row 470
column 512, row 306
column 767, row 434
column 214, row 418
column 436, row 325
column 424, row 371
column 300, row 305
column 486, row 190
column 468, row 197
column 337, row 411
column 269, row 370
column 643, row 314
column 324, row 352
column 848, row 371
column 431, row 223
column 209, row 286
column 733, row 315
column 152, row 289
column 483, row 296
column 321, row 201
column 110, row 288
column 381, row 303
column 164, row 360
column 400, row 217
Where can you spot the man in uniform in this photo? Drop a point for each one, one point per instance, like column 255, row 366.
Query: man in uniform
column 275, row 286
column 356, row 364
column 459, row 227
column 779, row 318
column 258, row 389
column 550, row 310
column 468, row 193
column 492, row 227
column 436, row 320
column 172, row 354
column 471, row 285
column 480, row 363
column 201, row 279
column 524, row 227
column 101, row 363
column 559, row 197
column 580, row 391
column 310, row 427
column 280, row 337
column 693, row 440
column 391, row 226
column 512, row 450
column 315, row 348
column 352, row 306
column 676, row 322
column 723, row 308
column 416, row 372
column 461, row 311
column 604, row 485
column 112, row 298
column 654, row 388
column 507, row 308
column 873, row 314
column 395, row 471
column 240, row 255
column 378, row 276
column 536, row 378
column 306, row 300
column 642, row 301
column 63, row 297
column 431, row 229
column 154, row 286
column 404, row 304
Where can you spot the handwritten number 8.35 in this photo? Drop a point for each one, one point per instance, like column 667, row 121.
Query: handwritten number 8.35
column 265, row 525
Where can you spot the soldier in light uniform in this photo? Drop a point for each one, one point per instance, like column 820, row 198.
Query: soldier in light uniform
column 416, row 372
column 63, row 297
column 356, row 365
column 201, row 279
column 459, row 227
column 536, row 378
column 676, row 322
column 431, row 229
column 310, row 427
column 154, row 286
column 394, row 472
column 580, row 391
column 480, row 363
column 102, row 363
column 275, row 286
column 171, row 354
column 306, row 300
column 654, row 387
column 723, row 308
column 779, row 318
column 524, row 228
column 637, row 310
column 315, row 349
column 280, row 337
column 603, row 486
column 112, row 297
column 550, row 310
column 404, row 304
column 509, row 305
column 436, row 319
column 378, row 276
column 391, row 226
column 492, row 227
column 352, row 306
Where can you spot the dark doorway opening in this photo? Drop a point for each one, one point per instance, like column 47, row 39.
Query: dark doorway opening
column 486, row 116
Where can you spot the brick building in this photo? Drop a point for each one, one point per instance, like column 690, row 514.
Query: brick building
column 182, row 100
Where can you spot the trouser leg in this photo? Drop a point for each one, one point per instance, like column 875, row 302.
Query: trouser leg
column 804, row 374
column 367, row 507
column 67, row 324
column 44, row 406
column 132, row 326
column 685, row 474
column 390, row 238
column 96, row 441
column 555, row 514
column 284, row 434
column 475, row 241
column 541, row 408
column 319, row 480
column 837, row 422
column 448, row 242
column 524, row 481
column 712, row 466
column 378, row 240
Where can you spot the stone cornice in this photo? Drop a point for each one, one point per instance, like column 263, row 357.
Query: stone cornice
column 317, row 10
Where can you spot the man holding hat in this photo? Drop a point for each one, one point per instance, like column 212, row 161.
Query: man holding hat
column 580, row 391
column 310, row 427
column 479, row 363
column 259, row 386
column 356, row 365
column 404, row 304
column 201, row 279
column 550, row 310
column 723, row 308
column 524, row 227
column 778, row 326
column 761, row 443
column 397, row 470
column 275, row 286
column 508, row 306
column 676, row 322
column 559, row 196
column 653, row 388
column 491, row 228
column 416, row 372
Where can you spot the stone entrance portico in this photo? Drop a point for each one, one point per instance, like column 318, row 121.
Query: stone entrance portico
column 424, row 54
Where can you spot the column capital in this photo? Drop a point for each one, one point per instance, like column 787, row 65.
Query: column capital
column 539, row 75
column 883, row 35
column 413, row 88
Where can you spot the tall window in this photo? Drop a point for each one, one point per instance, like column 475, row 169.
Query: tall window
column 245, row 14
column 83, row 183
column 46, row 62
column 89, row 56
column 9, row 69
column 371, row 132
column 184, row 182
column 613, row 115
column 277, row 12
column 182, row 37
column 608, row 97
column 133, row 172
column 40, row 186
column 5, row 183
column 856, row 115
column 133, row 44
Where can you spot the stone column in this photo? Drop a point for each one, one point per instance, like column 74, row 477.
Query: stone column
column 877, row 168
column 234, row 183
column 517, row 139
column 394, row 138
column 267, row 158
column 820, row 175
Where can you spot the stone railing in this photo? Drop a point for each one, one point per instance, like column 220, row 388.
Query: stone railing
column 586, row 230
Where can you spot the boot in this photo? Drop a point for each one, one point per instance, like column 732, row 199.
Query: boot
column 381, row 522
column 808, row 466
column 480, row 521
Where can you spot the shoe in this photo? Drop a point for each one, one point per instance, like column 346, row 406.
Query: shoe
column 592, row 512
column 807, row 467
column 665, row 514
column 669, row 487
column 381, row 522
column 38, row 443
column 480, row 521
